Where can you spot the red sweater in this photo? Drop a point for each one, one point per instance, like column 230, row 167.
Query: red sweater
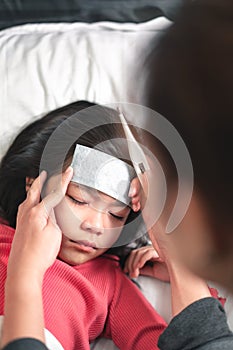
column 90, row 300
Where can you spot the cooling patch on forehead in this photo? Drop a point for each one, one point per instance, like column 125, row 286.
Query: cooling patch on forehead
column 102, row 172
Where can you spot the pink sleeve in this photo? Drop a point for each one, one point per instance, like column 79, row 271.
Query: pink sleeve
column 133, row 323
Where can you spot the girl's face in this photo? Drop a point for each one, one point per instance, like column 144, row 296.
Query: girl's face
column 91, row 222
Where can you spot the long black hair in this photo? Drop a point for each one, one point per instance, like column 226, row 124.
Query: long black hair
column 79, row 122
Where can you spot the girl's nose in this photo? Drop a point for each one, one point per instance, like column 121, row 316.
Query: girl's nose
column 93, row 222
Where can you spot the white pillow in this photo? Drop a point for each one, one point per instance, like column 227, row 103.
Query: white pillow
column 45, row 66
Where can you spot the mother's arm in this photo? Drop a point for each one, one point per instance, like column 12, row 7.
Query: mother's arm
column 35, row 246
column 199, row 321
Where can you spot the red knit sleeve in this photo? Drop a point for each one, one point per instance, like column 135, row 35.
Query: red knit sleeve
column 132, row 323
column 215, row 294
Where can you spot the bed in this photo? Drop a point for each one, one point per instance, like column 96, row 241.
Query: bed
column 56, row 52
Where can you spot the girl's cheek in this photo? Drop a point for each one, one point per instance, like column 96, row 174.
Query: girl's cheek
column 109, row 238
column 67, row 218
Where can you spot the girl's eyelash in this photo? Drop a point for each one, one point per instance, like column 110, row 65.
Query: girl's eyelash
column 121, row 218
column 76, row 201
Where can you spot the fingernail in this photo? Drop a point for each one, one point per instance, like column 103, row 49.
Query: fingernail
column 69, row 169
column 43, row 174
column 69, row 173
column 136, row 207
column 132, row 191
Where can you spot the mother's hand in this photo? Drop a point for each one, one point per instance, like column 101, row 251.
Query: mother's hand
column 37, row 236
column 146, row 193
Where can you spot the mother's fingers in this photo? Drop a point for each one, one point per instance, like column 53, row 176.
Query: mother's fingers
column 33, row 194
column 66, row 178
column 55, row 196
column 134, row 193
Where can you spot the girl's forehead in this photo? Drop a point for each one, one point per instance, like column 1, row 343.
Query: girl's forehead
column 103, row 172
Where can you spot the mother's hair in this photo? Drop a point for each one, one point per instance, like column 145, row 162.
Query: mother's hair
column 190, row 82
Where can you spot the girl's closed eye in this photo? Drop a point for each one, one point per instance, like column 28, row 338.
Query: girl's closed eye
column 117, row 217
column 76, row 201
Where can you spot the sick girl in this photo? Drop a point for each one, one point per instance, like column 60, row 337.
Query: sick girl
column 85, row 292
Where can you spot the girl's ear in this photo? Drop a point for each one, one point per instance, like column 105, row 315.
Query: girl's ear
column 28, row 182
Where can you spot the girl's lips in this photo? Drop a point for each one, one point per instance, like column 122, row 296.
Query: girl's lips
column 85, row 245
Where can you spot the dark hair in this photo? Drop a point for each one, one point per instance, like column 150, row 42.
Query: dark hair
column 23, row 158
column 190, row 82
column 29, row 153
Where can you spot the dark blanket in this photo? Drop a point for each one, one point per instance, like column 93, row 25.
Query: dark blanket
column 15, row 12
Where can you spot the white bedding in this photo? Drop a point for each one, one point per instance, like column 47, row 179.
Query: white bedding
column 44, row 66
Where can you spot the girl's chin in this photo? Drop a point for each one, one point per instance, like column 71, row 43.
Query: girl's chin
column 77, row 260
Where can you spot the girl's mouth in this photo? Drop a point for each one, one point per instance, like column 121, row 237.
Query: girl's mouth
column 85, row 245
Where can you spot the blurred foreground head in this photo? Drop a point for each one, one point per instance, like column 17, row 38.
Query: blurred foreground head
column 190, row 82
